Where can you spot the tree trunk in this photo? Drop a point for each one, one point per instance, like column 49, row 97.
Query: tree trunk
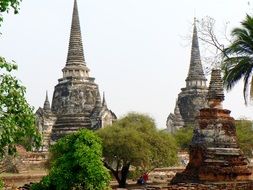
column 115, row 173
column 124, row 173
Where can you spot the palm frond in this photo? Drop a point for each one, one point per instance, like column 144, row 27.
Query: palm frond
column 238, row 58
column 248, row 24
column 235, row 68
column 242, row 44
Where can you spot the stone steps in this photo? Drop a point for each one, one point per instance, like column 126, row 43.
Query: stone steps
column 69, row 123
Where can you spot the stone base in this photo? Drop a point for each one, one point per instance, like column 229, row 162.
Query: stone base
column 243, row 185
column 214, row 154
column 197, row 176
column 207, row 175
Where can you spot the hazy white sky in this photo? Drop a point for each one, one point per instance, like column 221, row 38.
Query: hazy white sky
column 135, row 49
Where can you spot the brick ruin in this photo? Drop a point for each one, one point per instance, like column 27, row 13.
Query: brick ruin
column 215, row 156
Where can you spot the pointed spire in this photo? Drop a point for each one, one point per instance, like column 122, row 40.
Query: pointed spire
column 46, row 106
column 195, row 71
column 98, row 101
column 215, row 90
column 215, row 94
column 104, row 104
column 75, row 51
column 75, row 65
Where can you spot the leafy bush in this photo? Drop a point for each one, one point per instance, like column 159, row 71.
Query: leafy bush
column 76, row 163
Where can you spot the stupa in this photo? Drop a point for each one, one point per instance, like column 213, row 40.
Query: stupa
column 215, row 156
column 192, row 97
column 76, row 100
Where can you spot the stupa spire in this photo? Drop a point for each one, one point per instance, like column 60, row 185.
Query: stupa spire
column 46, row 106
column 75, row 65
column 98, row 100
column 195, row 72
column 215, row 94
column 104, row 104
column 75, row 51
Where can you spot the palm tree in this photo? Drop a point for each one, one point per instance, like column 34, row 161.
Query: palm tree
column 238, row 58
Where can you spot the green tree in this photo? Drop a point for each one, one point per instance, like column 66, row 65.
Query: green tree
column 76, row 163
column 135, row 141
column 7, row 5
column 238, row 60
column 17, row 120
column 244, row 131
column 183, row 137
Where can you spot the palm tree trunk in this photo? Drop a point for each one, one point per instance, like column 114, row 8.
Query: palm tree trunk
column 251, row 89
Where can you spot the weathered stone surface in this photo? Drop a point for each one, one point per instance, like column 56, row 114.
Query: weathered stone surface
column 174, row 120
column 215, row 91
column 75, row 65
column 45, row 120
column 214, row 152
column 190, row 101
column 192, row 98
column 196, row 70
column 76, row 100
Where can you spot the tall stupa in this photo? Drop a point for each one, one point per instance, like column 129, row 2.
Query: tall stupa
column 76, row 99
column 192, row 98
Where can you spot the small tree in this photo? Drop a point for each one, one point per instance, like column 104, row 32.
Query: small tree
column 76, row 163
column 183, row 137
column 135, row 141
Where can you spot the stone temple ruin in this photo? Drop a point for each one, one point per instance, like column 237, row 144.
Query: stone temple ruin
column 193, row 97
column 76, row 100
column 215, row 157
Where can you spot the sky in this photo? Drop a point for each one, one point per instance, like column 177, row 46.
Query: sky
column 138, row 50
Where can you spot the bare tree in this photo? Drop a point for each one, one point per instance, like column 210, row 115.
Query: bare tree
column 212, row 42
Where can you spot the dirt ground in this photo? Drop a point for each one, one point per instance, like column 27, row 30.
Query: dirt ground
column 18, row 180
column 132, row 185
